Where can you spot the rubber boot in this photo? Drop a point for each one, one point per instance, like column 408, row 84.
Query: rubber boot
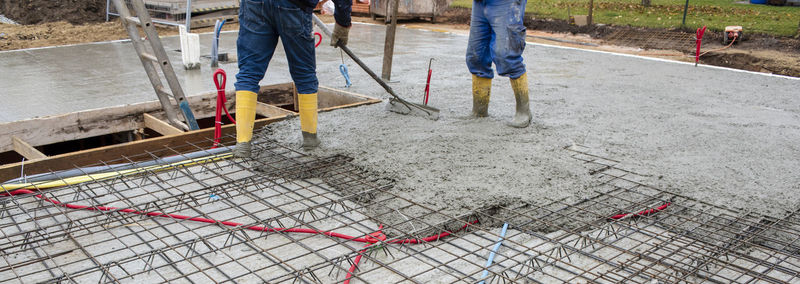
column 245, row 119
column 308, row 120
column 481, row 91
column 523, row 116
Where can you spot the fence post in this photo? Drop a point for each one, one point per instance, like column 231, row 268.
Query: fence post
column 591, row 7
column 685, row 8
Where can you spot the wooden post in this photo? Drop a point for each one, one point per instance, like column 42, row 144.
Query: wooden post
column 591, row 7
column 388, row 47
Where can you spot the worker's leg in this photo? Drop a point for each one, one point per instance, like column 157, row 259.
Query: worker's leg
column 506, row 17
column 255, row 47
column 298, row 42
column 479, row 58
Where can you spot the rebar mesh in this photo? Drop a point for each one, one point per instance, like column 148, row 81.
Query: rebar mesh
column 116, row 240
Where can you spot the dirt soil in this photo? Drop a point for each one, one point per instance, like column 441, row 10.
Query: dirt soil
column 63, row 33
column 757, row 52
column 29, row 12
column 57, row 33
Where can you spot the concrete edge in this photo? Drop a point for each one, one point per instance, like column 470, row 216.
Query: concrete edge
column 452, row 33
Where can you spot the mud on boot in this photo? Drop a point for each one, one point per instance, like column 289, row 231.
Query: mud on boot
column 481, row 91
column 521, row 119
column 242, row 150
column 310, row 141
column 523, row 116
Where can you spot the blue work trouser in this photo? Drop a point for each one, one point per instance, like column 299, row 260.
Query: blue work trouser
column 496, row 34
column 261, row 23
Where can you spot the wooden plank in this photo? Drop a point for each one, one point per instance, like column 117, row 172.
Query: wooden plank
column 97, row 122
column 281, row 95
column 333, row 99
column 160, row 126
column 73, row 126
column 266, row 110
column 199, row 138
column 26, row 150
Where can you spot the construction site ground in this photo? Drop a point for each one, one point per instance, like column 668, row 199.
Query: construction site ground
column 612, row 133
column 761, row 53
column 640, row 111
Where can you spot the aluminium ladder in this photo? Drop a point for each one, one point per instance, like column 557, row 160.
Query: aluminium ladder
column 153, row 61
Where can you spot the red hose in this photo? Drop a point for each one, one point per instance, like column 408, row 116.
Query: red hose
column 643, row 212
column 370, row 239
column 367, row 239
column 219, row 80
column 379, row 236
column 320, row 39
column 698, row 41
column 355, row 264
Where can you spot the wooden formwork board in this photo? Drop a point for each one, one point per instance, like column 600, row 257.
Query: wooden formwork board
column 411, row 8
column 23, row 136
column 204, row 12
column 198, row 6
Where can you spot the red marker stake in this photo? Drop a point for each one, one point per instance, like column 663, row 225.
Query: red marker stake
column 698, row 40
column 428, row 83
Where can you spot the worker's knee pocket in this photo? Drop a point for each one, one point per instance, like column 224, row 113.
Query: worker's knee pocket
column 516, row 27
column 516, row 38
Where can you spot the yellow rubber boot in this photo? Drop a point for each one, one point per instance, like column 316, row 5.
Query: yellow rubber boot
column 481, row 91
column 245, row 119
column 308, row 120
column 523, row 116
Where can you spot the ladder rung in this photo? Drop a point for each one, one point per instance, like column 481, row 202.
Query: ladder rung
column 149, row 56
column 134, row 20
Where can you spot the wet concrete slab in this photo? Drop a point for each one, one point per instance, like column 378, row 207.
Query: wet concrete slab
column 685, row 128
column 56, row 80
column 50, row 81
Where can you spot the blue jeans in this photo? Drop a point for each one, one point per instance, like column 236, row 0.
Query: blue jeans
column 261, row 23
column 496, row 34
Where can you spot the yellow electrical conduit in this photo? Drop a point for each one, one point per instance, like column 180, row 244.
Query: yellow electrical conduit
column 102, row 176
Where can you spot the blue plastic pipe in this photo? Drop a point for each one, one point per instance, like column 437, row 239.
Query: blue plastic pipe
column 492, row 254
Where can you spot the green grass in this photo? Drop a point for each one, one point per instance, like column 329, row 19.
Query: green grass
column 716, row 14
